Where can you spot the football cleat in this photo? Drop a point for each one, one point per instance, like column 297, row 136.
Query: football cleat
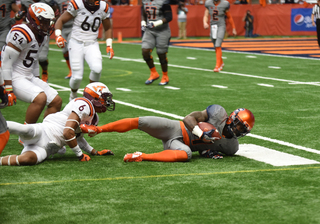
column 221, row 67
column 153, row 77
column 164, row 81
column 133, row 157
column 68, row 76
column 217, row 69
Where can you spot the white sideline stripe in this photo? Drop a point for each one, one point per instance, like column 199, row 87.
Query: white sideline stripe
column 284, row 143
column 191, row 58
column 179, row 117
column 123, row 89
column 266, row 85
column 222, row 72
column 171, row 87
column 251, row 56
column 221, row 87
column 272, row 157
column 274, row 67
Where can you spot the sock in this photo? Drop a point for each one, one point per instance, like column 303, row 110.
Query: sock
column 44, row 72
column 153, row 70
column 166, row 156
column 165, row 74
column 218, row 56
column 122, row 125
column 4, row 137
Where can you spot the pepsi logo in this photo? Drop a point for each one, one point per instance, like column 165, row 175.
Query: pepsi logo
column 299, row 19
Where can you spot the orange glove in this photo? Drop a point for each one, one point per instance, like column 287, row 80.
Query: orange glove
column 84, row 158
column 104, row 152
column 12, row 99
column 110, row 52
column 60, row 41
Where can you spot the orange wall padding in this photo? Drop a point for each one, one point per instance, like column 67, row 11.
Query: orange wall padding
column 268, row 21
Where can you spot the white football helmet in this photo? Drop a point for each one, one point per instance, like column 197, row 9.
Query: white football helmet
column 41, row 17
column 100, row 96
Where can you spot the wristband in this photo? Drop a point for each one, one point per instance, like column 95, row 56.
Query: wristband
column 197, row 131
column 143, row 23
column 158, row 23
column 8, row 87
column 57, row 32
column 109, row 42
column 77, row 151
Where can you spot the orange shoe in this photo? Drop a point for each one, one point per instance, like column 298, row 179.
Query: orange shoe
column 164, row 81
column 44, row 77
column 68, row 76
column 217, row 69
column 153, row 77
column 133, row 157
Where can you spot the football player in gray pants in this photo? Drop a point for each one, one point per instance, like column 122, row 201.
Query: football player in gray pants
column 156, row 16
column 181, row 138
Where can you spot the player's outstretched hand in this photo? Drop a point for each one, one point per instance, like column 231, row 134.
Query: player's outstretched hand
column 60, row 41
column 84, row 158
column 105, row 152
column 110, row 52
column 12, row 99
column 211, row 154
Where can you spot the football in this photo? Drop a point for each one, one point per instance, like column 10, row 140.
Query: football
column 205, row 126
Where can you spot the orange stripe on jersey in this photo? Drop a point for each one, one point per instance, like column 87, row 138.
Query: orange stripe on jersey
column 75, row 6
column 88, row 102
column 24, row 32
column 107, row 7
column 185, row 135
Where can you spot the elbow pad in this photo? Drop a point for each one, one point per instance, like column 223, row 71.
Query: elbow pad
column 9, row 56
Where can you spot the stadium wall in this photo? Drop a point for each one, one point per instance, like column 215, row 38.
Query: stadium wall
column 272, row 20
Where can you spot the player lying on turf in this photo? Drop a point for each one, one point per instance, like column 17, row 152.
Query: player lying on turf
column 62, row 128
column 181, row 138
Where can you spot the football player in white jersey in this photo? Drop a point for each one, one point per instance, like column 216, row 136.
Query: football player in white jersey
column 4, row 133
column 20, row 67
column 44, row 139
column 43, row 54
column 181, row 138
column 83, row 44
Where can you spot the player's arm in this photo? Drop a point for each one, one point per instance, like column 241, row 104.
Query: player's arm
column 205, row 19
column 192, row 119
column 228, row 14
column 191, row 122
column 108, row 32
column 312, row 19
column 10, row 55
column 69, row 134
column 65, row 17
column 167, row 12
column 84, row 145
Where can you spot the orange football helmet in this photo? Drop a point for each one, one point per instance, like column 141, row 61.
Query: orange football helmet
column 240, row 122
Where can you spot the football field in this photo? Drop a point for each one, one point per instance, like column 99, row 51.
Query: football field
column 274, row 178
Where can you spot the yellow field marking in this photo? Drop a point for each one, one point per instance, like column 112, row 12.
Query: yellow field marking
column 158, row 176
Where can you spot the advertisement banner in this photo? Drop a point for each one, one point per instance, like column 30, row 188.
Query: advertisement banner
column 301, row 20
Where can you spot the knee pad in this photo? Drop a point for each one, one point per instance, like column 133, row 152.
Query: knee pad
column 163, row 60
column 96, row 68
column 75, row 82
column 147, row 57
column 94, row 76
column 43, row 63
